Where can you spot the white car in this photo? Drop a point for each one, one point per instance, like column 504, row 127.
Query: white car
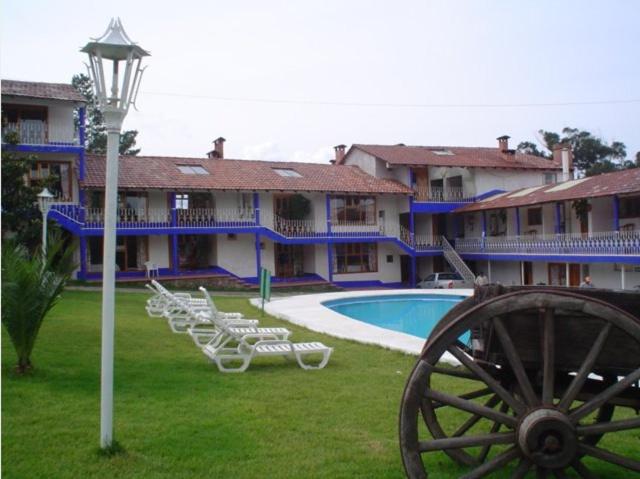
column 443, row 281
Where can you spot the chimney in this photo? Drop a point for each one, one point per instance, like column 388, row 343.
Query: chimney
column 562, row 155
column 503, row 143
column 218, row 149
column 340, row 152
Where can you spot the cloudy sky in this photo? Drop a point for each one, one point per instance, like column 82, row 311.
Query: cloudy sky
column 286, row 80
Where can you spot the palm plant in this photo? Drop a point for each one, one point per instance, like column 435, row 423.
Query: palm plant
column 31, row 286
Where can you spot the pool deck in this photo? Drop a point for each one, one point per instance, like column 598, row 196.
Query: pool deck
column 307, row 311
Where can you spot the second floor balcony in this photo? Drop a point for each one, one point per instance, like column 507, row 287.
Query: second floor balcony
column 597, row 244
column 38, row 132
column 439, row 194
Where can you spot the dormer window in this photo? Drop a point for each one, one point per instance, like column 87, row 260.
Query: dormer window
column 192, row 170
column 287, row 172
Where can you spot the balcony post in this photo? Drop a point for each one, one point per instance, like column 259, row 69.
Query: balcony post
column 518, row 222
column 328, row 210
column 175, row 257
column 256, row 209
column 412, row 225
column 616, row 213
column 258, row 257
column 83, row 258
column 484, row 228
column 81, row 140
column 330, row 261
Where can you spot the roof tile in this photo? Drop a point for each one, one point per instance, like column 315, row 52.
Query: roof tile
column 50, row 91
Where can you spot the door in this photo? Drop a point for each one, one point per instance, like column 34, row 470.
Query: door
column 405, row 268
column 557, row 274
column 527, row 273
column 574, row 275
column 422, row 184
column 289, row 260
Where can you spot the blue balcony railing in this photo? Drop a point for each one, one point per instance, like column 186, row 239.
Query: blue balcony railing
column 602, row 243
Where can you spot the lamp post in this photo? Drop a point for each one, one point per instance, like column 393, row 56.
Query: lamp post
column 113, row 100
column 45, row 197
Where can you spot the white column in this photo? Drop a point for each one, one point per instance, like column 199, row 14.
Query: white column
column 113, row 121
column 622, row 277
column 522, row 273
column 567, row 275
column 489, row 269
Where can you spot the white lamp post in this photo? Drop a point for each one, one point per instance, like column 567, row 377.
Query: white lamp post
column 113, row 101
column 45, row 197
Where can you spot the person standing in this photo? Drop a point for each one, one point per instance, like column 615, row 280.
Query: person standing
column 587, row 282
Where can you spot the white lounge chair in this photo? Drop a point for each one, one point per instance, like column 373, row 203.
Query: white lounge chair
column 163, row 302
column 216, row 327
column 224, row 355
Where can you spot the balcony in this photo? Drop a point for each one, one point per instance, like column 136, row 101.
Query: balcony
column 37, row 132
column 433, row 194
column 595, row 244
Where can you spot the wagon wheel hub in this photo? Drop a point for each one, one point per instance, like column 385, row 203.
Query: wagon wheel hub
column 547, row 437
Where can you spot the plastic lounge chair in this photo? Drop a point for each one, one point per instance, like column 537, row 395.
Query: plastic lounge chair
column 218, row 328
column 166, row 302
column 220, row 351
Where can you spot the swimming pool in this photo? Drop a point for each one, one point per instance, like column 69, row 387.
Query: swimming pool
column 414, row 314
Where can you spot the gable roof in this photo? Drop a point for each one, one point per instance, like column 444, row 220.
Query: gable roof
column 154, row 172
column 49, row 91
column 462, row 156
column 607, row 184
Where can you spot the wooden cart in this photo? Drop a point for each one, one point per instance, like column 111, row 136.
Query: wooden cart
column 528, row 379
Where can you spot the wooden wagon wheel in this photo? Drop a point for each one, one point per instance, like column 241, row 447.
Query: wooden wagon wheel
column 543, row 422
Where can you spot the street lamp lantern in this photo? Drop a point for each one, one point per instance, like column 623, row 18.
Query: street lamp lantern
column 116, row 89
column 45, row 198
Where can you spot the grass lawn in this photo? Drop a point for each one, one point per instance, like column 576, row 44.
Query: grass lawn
column 177, row 416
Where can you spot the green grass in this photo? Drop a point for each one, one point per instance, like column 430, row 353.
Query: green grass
column 177, row 416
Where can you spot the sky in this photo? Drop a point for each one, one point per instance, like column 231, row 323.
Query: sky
column 285, row 80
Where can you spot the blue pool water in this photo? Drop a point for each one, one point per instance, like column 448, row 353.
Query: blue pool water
column 414, row 314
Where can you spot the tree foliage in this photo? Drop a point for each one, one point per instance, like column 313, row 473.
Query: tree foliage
column 31, row 286
column 95, row 132
column 591, row 154
column 530, row 148
column 21, row 217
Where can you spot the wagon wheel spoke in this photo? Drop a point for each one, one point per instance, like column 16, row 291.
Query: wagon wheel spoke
column 602, row 428
column 586, row 368
column 470, row 395
column 469, row 423
column 548, row 353
column 488, row 379
column 515, row 362
column 471, row 407
column 453, row 372
column 468, row 441
column 484, row 452
column 497, row 462
column 523, row 467
column 601, row 399
column 609, row 456
column 582, row 470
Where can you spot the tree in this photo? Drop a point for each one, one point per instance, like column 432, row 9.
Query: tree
column 21, row 217
column 530, row 148
column 31, row 286
column 95, row 132
column 591, row 154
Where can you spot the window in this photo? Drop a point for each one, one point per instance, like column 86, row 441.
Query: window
column 355, row 258
column 389, row 258
column 192, row 170
column 550, row 178
column 182, row 201
column 534, row 216
column 360, row 209
column 60, row 186
column 630, row 207
column 287, row 172
column 431, row 277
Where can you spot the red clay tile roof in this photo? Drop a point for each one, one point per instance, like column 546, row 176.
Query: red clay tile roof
column 462, row 156
column 51, row 91
column 151, row 172
column 618, row 183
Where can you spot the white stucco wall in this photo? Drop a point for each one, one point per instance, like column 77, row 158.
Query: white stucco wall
column 601, row 215
column 322, row 261
column 59, row 116
column 486, row 179
column 159, row 250
column 507, row 273
column 364, row 161
column 237, row 255
column 604, row 275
